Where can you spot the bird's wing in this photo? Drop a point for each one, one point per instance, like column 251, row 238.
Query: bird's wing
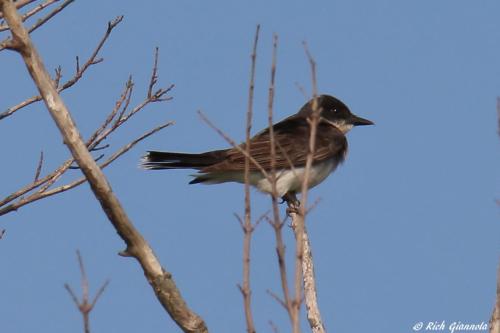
column 291, row 137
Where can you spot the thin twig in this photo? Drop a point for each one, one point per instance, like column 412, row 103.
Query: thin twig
column 301, row 89
column 313, row 205
column 54, row 174
column 85, row 306
column 53, row 13
column 125, row 95
column 95, row 139
column 77, row 76
column 277, row 224
column 30, row 13
column 154, row 76
column 63, row 188
column 277, row 299
column 273, row 326
column 106, row 146
column 247, row 225
column 233, row 143
column 58, row 76
column 39, row 167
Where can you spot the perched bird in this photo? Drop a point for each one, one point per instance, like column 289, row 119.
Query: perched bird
column 291, row 137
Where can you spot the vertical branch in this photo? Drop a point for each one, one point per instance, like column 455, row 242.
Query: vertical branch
column 247, row 226
column 495, row 316
column 160, row 280
column 277, row 223
column 304, row 269
column 310, row 293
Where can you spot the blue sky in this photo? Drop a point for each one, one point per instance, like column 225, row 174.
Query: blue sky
column 407, row 230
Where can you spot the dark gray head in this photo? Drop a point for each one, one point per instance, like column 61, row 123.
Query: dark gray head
column 335, row 112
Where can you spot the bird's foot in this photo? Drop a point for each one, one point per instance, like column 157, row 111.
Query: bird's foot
column 293, row 203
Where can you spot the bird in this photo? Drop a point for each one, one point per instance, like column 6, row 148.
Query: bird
column 291, row 137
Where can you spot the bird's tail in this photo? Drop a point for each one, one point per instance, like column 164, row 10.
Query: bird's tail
column 157, row 160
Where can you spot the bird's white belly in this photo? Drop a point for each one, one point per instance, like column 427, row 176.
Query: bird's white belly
column 291, row 180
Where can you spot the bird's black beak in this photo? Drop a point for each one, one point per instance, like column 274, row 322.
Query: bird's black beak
column 358, row 121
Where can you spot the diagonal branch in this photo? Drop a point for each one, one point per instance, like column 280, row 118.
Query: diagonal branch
column 63, row 188
column 160, row 280
column 30, row 13
column 12, row 43
column 19, row 4
column 46, row 18
column 234, row 144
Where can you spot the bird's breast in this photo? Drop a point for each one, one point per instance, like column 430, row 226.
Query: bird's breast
column 291, row 180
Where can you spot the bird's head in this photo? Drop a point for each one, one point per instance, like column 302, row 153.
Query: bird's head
column 334, row 112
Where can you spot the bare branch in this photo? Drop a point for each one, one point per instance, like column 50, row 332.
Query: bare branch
column 99, row 293
column 248, row 228
column 278, row 299
column 30, row 13
column 310, row 293
column 58, row 76
column 277, row 224
column 92, row 60
column 63, row 188
column 495, row 316
column 53, row 13
column 95, row 139
column 50, row 179
column 273, row 326
column 20, row 4
column 72, row 294
column 39, row 167
column 154, row 76
column 92, row 142
column 12, row 43
column 302, row 90
column 160, row 280
column 53, row 175
column 304, row 268
column 77, row 76
column 85, row 306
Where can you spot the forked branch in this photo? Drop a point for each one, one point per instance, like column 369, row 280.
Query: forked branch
column 85, row 305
